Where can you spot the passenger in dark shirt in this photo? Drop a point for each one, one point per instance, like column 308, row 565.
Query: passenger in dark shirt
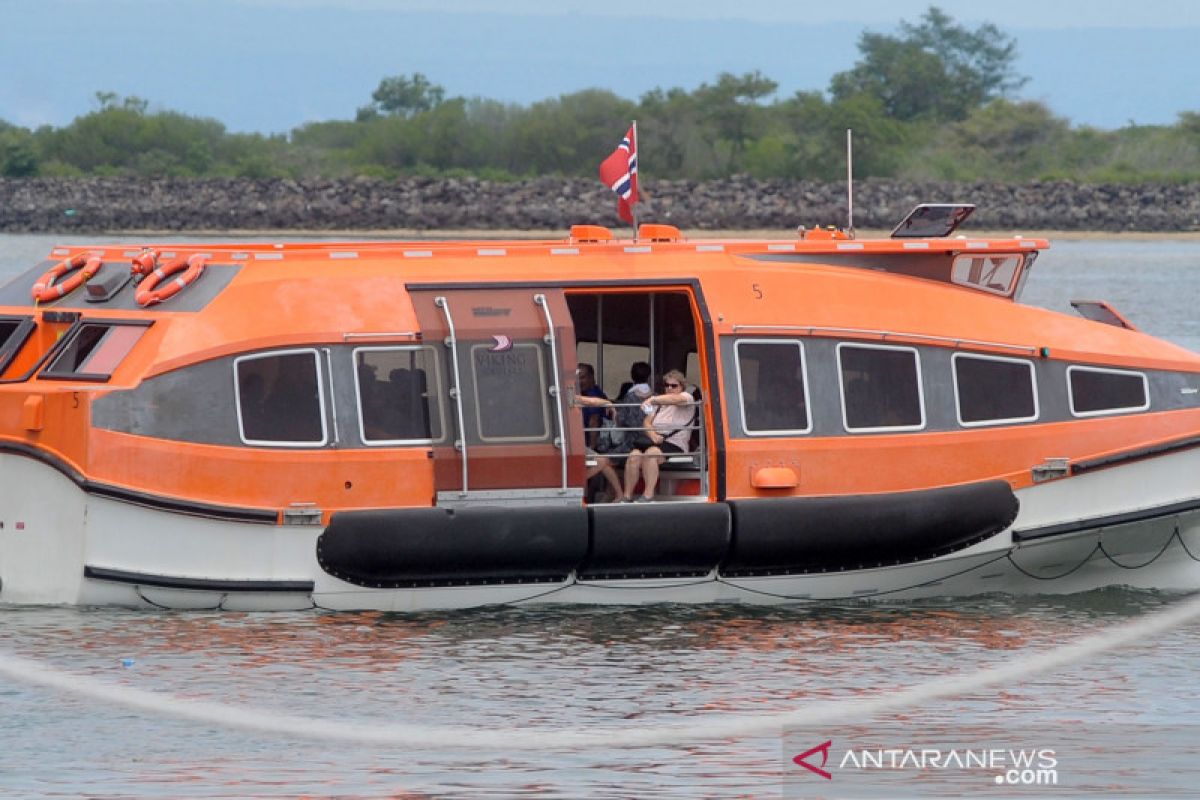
column 585, row 374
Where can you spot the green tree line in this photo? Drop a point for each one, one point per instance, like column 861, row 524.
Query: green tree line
column 935, row 101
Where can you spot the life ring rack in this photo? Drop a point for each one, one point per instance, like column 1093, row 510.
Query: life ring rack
column 149, row 291
column 45, row 289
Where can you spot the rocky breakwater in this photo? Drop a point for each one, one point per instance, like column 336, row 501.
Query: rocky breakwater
column 226, row 204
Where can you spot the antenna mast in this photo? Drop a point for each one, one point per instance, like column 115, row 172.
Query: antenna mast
column 850, row 182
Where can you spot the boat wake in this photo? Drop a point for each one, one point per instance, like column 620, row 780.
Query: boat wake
column 709, row 728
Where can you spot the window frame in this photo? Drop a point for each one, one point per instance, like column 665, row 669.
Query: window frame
column 543, row 380
column 15, row 342
column 737, row 363
column 1105, row 411
column 1037, row 408
column 435, row 392
column 237, row 398
column 46, row 367
column 1018, row 271
column 842, row 388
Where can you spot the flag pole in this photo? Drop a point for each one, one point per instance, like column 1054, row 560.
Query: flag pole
column 638, row 156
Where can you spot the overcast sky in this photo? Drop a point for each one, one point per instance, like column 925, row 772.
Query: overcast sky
column 272, row 65
column 1010, row 13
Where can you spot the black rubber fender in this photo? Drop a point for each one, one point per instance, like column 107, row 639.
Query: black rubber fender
column 652, row 540
column 821, row 534
column 408, row 547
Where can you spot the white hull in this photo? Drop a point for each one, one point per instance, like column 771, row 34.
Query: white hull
column 1128, row 525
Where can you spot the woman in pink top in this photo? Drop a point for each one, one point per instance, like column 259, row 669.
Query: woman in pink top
column 669, row 420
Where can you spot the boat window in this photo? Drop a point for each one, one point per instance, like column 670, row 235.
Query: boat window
column 881, row 388
column 772, row 386
column 93, row 350
column 14, row 331
column 397, row 389
column 512, row 396
column 991, row 389
column 1105, row 391
column 8, row 327
column 280, row 399
column 991, row 273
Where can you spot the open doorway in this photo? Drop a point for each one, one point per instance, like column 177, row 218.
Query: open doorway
column 623, row 335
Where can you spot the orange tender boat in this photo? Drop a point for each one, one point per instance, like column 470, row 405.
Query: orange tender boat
column 393, row 425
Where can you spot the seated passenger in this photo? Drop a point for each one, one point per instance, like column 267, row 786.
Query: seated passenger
column 668, row 429
column 603, row 465
column 629, row 416
column 638, row 383
column 585, row 374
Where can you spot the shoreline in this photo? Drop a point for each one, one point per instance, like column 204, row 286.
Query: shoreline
column 465, row 208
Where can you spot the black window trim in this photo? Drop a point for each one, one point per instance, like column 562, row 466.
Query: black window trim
column 12, row 346
column 47, row 361
column 920, row 388
column 1109, row 371
column 737, row 363
column 1037, row 409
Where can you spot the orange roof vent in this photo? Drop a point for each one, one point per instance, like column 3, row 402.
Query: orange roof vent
column 659, row 233
column 590, row 233
column 818, row 233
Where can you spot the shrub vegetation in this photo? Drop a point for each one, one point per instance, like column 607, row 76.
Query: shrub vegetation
column 933, row 102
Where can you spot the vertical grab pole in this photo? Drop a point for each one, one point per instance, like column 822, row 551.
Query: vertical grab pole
column 551, row 340
column 652, row 342
column 456, row 392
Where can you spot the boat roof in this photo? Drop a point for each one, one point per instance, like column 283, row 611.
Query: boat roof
column 571, row 245
column 291, row 293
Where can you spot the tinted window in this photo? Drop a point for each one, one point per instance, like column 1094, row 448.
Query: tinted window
column 280, row 399
column 13, row 334
column 510, row 393
column 398, row 391
column 771, row 378
column 94, row 351
column 7, row 328
column 1094, row 391
column 994, row 390
column 881, row 388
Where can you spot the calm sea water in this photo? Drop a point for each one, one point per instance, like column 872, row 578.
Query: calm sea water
column 506, row 670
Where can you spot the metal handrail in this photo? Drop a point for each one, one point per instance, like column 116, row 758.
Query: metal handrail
column 540, row 299
column 701, row 450
column 456, row 392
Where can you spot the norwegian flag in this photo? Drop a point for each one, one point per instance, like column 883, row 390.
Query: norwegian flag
column 619, row 173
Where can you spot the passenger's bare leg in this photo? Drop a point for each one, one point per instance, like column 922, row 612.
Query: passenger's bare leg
column 610, row 474
column 633, row 468
column 650, row 464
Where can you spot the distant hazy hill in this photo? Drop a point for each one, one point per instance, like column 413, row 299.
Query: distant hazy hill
column 266, row 68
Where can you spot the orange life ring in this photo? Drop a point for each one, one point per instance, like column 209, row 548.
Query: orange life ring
column 46, row 289
column 148, row 294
